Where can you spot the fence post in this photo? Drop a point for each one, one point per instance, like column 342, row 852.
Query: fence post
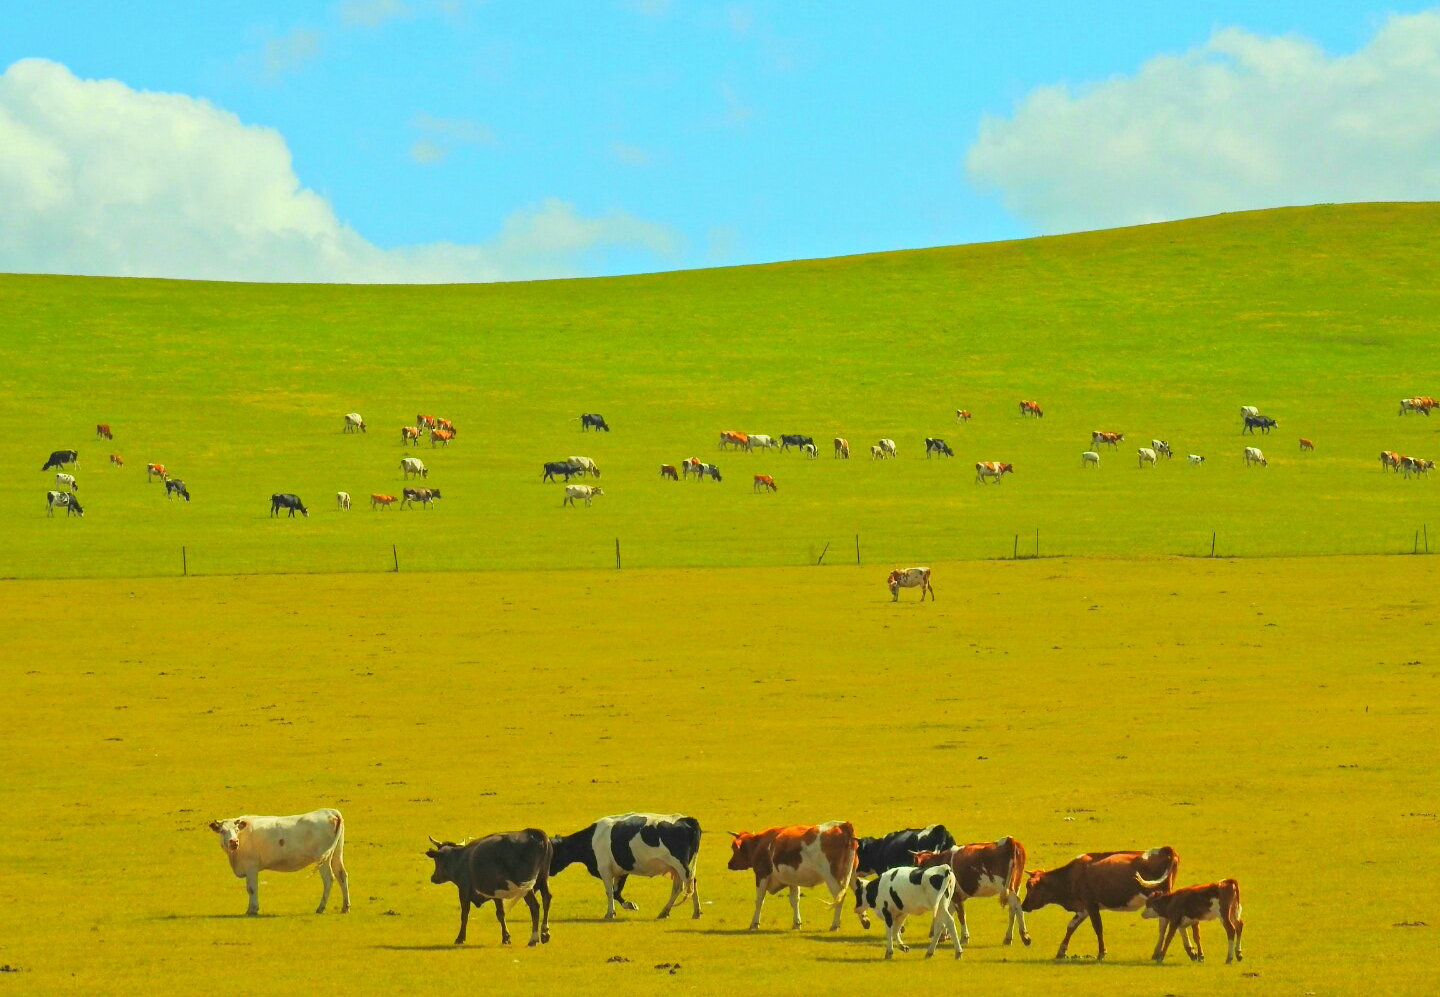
column 396, row 555
column 857, row 549
column 184, row 562
column 821, row 558
column 1212, row 545
column 617, row 553
column 1037, row 541
column 1015, row 554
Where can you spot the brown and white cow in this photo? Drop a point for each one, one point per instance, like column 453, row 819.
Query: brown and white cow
column 422, row 495
column 668, row 471
column 441, row 436
column 986, row 869
column 102, row 431
column 446, row 425
column 962, row 415
column 1390, row 459
column 992, row 470
column 1099, row 436
column 794, row 856
column 734, row 438
column 425, row 421
column 1188, row 906
column 410, row 434
column 1031, row 408
column 765, row 481
column 286, row 844
column 842, row 447
column 909, row 578
column 153, row 471
column 1098, row 881
column 117, row 460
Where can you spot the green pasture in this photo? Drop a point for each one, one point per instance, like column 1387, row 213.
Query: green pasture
column 1323, row 317
column 1272, row 719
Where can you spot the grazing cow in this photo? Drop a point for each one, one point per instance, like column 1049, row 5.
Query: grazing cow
column 764, row 481
column 586, row 492
column 1415, row 465
column 909, row 578
column 668, row 471
column 60, row 458
column 379, row 500
column 1031, row 408
column 1196, row 458
column 887, row 447
column 410, row 434
column 1254, row 456
column 422, row 495
column 69, row 500
column 587, row 466
column 441, row 436
column 907, row 890
column 788, row 440
column 414, row 465
column 762, row 441
column 842, row 448
column 1248, row 410
column 614, row 848
column 153, row 471
column 353, row 422
column 986, row 869
column 1390, row 459
column 286, row 844
column 290, row 501
column 565, row 467
column 733, row 438
column 1161, row 448
column 174, row 486
column 1262, row 422
column 1089, row 457
column 593, row 419
column 102, row 431
column 795, row 856
column 690, row 466
column 1188, row 906
column 498, row 867
column 1306, row 444
column 1099, row 436
column 992, row 469
column 342, row 500
column 876, row 855
column 934, row 445
column 1421, row 404
column 701, row 470
column 117, row 460
column 425, row 421
column 876, row 453
column 446, row 425
column 63, row 480
column 810, row 450
column 1147, row 456
column 1099, row 881
column 961, row 415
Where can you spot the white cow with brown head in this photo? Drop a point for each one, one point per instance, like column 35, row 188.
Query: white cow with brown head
column 286, row 844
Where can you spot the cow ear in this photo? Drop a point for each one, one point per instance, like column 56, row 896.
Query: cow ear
column 215, row 826
column 241, row 825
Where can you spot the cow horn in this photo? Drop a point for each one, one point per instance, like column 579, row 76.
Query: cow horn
column 1150, row 884
column 733, row 834
column 433, row 841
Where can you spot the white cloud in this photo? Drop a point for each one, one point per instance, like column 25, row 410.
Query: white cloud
column 1241, row 122
column 439, row 135
column 630, row 155
column 371, row 13
column 98, row 178
column 288, row 52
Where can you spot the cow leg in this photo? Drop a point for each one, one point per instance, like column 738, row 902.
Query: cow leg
column 534, row 906
column 1017, row 914
column 620, row 882
column 964, row 928
column 945, row 923
column 1167, row 935
column 795, row 907
column 544, row 887
column 759, row 903
column 337, row 864
column 1075, row 922
column 1199, row 954
column 500, row 916
column 839, row 893
column 694, row 885
column 610, row 890
column 327, row 879
column 1239, row 925
column 464, row 916
column 892, row 933
column 1099, row 932
column 677, row 883
column 252, row 887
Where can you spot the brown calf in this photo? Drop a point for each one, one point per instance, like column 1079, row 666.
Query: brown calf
column 102, row 431
column 1099, row 881
column 441, row 436
column 987, row 869
column 1306, row 444
column 765, row 481
column 668, row 471
column 1188, row 906
column 117, row 460
column 381, row 501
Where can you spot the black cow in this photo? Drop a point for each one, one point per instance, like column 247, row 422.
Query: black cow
column 498, row 867
column 1264, row 422
column 565, row 467
column 788, row 440
column 62, row 457
column 67, row 499
column 615, row 848
column 934, row 445
column 174, row 486
column 877, row 855
column 593, row 419
column 284, row 500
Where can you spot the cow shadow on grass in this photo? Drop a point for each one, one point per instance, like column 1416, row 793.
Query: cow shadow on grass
column 232, row 917
column 436, row 947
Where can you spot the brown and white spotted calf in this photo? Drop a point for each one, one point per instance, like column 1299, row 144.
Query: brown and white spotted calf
column 909, row 578
column 1188, row 906
column 986, row 869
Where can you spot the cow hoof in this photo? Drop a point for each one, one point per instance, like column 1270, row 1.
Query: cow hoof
column 345, row 909
column 544, row 938
column 1025, row 939
column 889, row 955
column 629, row 905
column 609, row 915
column 532, row 943
column 320, row 909
column 662, row 915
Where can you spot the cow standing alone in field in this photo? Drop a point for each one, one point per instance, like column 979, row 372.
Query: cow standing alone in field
column 287, row 500
column 286, row 844
column 905, row 578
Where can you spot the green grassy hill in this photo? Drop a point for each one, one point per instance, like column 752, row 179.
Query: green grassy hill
column 1323, row 317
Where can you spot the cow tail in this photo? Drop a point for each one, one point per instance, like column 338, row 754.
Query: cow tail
column 337, row 845
column 1017, row 872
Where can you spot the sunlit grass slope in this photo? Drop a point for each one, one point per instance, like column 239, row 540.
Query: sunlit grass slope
column 1324, row 317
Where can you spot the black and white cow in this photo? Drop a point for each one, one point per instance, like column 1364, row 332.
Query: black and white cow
column 593, row 419
column 498, row 867
column 66, row 499
column 63, row 480
column 877, row 855
column 934, row 445
column 1262, row 422
column 907, row 890
column 174, row 486
column 788, row 440
column 1161, row 448
column 635, row 844
column 565, row 467
column 285, row 500
column 62, row 457
column 701, row 470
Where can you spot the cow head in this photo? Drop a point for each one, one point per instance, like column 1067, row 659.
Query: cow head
column 893, row 582
column 230, row 831
column 448, row 857
column 1039, row 891
column 742, row 850
column 866, row 892
column 1157, row 905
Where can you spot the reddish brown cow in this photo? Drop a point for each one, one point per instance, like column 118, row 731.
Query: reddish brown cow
column 1306, row 444
column 380, row 501
column 153, row 471
column 1188, row 906
column 986, row 869
column 117, row 460
column 795, row 856
column 962, row 415
column 409, row 434
column 441, row 436
column 425, row 421
column 445, row 424
column 102, row 431
column 765, row 481
column 1028, row 407
column 668, row 471
column 1099, row 881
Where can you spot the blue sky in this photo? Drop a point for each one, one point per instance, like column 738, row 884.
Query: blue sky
column 422, row 140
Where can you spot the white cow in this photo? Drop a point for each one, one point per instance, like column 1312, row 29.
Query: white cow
column 909, row 578
column 1248, row 410
column 353, row 421
column 63, row 480
column 586, row 492
column 1089, row 457
column 907, row 890
column 876, row 453
column 1196, row 458
column 811, row 451
column 761, row 440
column 887, row 448
column 286, row 844
column 342, row 500
column 1254, row 456
column 1161, row 447
column 414, row 465
column 1147, row 456
column 587, row 466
